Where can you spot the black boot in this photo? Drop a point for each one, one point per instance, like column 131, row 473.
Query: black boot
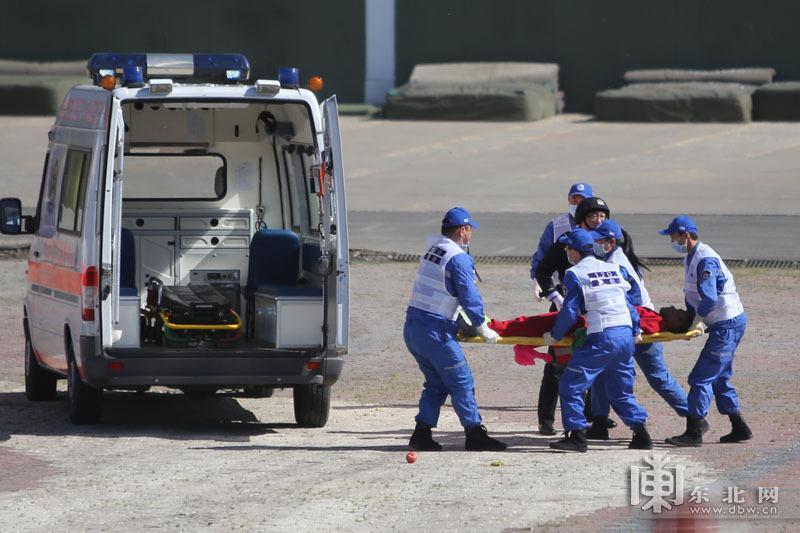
column 740, row 431
column 478, row 440
column 610, row 423
column 641, row 438
column 574, row 441
column 546, row 428
column 693, row 436
column 422, row 440
column 599, row 429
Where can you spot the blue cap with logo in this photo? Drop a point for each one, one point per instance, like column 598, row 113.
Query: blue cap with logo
column 578, row 239
column 606, row 230
column 458, row 216
column 584, row 189
column 680, row 224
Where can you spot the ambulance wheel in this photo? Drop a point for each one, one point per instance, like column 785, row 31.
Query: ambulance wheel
column 85, row 402
column 312, row 403
column 40, row 385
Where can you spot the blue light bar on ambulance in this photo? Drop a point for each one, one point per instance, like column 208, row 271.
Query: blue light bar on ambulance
column 222, row 68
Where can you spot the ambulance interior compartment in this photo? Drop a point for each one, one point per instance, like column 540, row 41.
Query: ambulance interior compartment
column 195, row 175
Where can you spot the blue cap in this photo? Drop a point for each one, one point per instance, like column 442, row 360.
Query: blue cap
column 578, row 239
column 584, row 189
column 680, row 224
column 458, row 216
column 606, row 230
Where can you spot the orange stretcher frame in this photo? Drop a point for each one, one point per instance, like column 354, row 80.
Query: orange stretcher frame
column 662, row 336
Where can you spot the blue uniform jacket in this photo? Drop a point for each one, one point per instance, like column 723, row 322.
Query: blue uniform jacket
column 575, row 306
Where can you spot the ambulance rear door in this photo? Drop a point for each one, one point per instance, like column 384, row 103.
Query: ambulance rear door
column 111, row 226
column 338, row 281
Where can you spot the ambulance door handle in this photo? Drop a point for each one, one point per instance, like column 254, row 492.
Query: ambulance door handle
column 36, row 253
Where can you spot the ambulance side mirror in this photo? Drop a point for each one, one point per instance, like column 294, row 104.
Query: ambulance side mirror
column 11, row 220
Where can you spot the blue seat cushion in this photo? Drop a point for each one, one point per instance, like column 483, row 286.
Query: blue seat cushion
column 128, row 291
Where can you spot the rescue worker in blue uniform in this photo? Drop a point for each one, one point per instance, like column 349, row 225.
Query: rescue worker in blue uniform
column 608, row 238
column 563, row 223
column 711, row 296
column 598, row 291
column 550, row 270
column 444, row 284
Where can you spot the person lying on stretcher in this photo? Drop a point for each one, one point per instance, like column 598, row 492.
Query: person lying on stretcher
column 668, row 319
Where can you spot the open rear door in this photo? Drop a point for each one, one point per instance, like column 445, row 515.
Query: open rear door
column 112, row 225
column 339, row 277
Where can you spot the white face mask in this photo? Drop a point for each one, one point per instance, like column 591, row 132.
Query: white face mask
column 599, row 249
column 572, row 209
column 680, row 248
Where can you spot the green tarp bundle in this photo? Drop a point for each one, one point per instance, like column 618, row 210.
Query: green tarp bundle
column 36, row 88
column 34, row 94
column 777, row 101
column 747, row 76
column 477, row 91
column 676, row 102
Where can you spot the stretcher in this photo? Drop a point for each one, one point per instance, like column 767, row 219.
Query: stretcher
column 661, row 336
column 186, row 316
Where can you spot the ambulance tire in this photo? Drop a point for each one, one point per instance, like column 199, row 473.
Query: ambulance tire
column 312, row 403
column 40, row 385
column 85, row 402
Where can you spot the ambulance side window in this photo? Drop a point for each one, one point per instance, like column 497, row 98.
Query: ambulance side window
column 73, row 190
column 46, row 222
column 38, row 216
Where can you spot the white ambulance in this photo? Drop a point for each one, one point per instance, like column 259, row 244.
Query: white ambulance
column 191, row 232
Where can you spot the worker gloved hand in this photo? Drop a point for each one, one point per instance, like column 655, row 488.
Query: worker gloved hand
column 537, row 292
column 548, row 339
column 488, row 334
column 697, row 323
column 556, row 299
column 638, row 338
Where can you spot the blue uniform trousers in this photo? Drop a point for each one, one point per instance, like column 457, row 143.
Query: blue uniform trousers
column 431, row 340
column 712, row 373
column 611, row 352
column 650, row 358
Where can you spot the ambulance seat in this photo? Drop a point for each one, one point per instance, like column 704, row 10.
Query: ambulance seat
column 274, row 260
column 127, row 273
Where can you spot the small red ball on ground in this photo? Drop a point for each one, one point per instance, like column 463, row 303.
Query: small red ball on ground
column 411, row 457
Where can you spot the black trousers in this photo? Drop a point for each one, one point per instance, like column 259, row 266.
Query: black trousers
column 548, row 394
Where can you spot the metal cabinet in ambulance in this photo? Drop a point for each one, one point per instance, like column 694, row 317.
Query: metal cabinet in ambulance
column 191, row 232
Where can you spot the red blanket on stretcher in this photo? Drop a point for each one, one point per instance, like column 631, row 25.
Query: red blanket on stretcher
column 538, row 325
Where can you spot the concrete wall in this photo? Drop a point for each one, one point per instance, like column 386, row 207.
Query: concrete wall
column 595, row 42
column 318, row 36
